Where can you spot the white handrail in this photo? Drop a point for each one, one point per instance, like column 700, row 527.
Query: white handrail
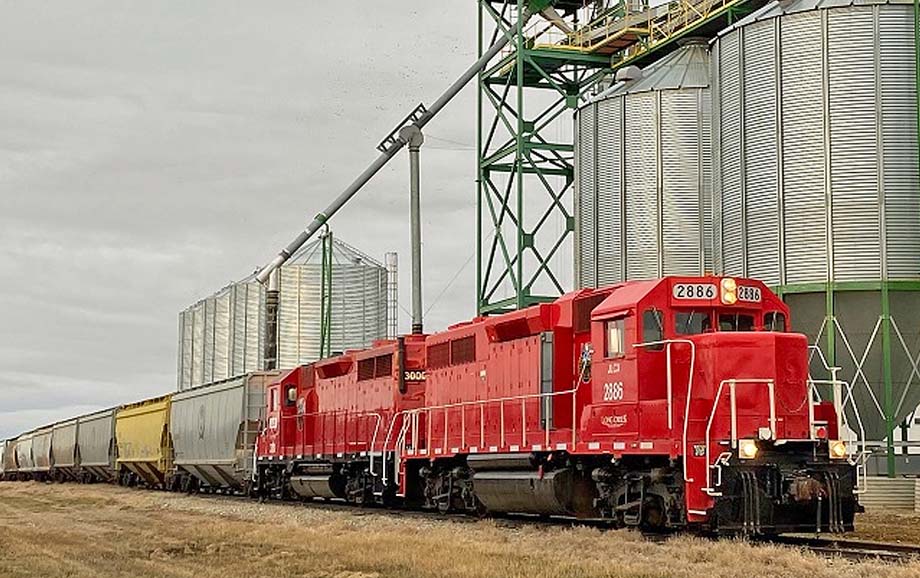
column 482, row 403
column 689, row 392
column 708, row 489
column 346, row 414
column 859, row 457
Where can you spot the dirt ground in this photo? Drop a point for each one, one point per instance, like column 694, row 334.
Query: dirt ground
column 53, row 531
column 904, row 528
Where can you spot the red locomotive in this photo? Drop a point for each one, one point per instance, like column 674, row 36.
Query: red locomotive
column 666, row 404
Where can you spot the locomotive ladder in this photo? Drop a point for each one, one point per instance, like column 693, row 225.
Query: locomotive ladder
column 254, row 414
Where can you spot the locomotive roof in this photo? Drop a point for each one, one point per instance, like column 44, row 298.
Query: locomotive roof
column 625, row 296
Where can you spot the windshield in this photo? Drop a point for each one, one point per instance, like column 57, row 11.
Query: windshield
column 736, row 322
column 692, row 322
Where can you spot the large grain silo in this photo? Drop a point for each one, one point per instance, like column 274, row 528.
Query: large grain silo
column 815, row 114
column 223, row 335
column 359, row 302
column 643, row 164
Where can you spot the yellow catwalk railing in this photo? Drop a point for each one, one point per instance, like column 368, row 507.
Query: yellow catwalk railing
column 632, row 29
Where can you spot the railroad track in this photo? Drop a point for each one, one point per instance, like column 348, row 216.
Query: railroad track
column 851, row 549
column 856, row 550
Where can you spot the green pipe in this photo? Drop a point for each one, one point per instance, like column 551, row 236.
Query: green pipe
column 886, row 376
column 830, row 317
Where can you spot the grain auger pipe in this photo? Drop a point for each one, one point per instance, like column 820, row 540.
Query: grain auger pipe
column 395, row 142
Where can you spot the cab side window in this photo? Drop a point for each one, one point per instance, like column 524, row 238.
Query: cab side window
column 615, row 338
column 653, row 328
column 273, row 403
column 774, row 321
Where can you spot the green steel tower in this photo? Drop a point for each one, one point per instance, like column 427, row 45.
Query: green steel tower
column 527, row 93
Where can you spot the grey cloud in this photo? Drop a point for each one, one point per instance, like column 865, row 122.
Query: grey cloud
column 150, row 153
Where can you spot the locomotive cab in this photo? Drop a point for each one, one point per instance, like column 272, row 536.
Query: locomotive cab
column 700, row 378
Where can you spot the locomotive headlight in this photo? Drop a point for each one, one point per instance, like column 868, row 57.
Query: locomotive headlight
column 729, row 291
column 747, row 449
column 838, row 450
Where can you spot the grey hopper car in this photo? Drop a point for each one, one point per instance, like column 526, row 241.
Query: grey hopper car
column 214, row 431
column 8, row 467
column 64, row 450
column 24, row 454
column 41, row 452
column 96, row 446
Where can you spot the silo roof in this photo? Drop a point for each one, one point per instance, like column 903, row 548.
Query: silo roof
column 686, row 67
column 342, row 254
column 309, row 254
column 783, row 7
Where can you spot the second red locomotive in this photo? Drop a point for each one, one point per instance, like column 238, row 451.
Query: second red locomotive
column 666, row 404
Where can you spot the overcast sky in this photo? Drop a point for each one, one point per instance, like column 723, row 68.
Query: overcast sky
column 152, row 152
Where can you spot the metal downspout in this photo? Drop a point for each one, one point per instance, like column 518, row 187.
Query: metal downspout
column 414, row 137
column 272, row 299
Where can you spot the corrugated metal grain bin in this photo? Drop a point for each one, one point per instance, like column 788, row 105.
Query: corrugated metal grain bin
column 222, row 336
column 96, row 440
column 144, row 446
column 644, row 174
column 24, row 454
column 214, row 429
column 359, row 303
column 64, row 449
column 41, row 451
column 815, row 120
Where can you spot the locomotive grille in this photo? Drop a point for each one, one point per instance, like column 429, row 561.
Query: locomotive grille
column 365, row 369
column 384, row 366
column 583, row 309
column 463, row 350
column 439, row 355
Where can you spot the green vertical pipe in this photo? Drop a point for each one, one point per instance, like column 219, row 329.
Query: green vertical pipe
column 322, row 301
column 329, row 299
column 325, row 315
column 886, row 377
column 831, row 325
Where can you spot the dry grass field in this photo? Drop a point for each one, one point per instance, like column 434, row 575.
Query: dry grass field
column 54, row 531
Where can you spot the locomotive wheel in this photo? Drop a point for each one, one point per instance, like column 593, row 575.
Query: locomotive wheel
column 653, row 516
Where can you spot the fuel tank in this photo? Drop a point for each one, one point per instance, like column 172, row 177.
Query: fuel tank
column 319, row 481
column 511, row 483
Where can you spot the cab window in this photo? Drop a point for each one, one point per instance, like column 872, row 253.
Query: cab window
column 653, row 328
column 615, row 331
column 774, row 321
column 736, row 322
column 273, row 403
column 692, row 322
column 290, row 396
